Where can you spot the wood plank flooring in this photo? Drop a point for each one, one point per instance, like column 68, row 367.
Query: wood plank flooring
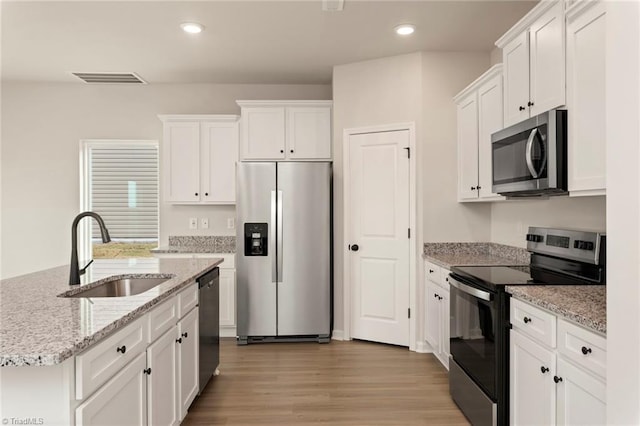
column 340, row 383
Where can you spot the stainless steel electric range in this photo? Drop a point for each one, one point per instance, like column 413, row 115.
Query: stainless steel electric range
column 479, row 364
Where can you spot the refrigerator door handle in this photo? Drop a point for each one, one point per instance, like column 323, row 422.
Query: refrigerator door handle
column 272, row 238
column 279, row 240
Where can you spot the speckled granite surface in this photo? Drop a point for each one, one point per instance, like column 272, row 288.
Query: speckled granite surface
column 585, row 305
column 474, row 254
column 39, row 328
column 198, row 244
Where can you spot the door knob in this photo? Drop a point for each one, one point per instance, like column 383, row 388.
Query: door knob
column 354, row 247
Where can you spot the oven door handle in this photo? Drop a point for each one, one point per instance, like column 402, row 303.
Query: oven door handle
column 484, row 295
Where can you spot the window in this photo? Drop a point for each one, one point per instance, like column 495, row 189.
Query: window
column 120, row 183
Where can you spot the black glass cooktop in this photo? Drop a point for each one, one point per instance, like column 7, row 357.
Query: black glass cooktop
column 494, row 276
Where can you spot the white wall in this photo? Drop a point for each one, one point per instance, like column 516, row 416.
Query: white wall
column 418, row 88
column 444, row 219
column 510, row 219
column 623, row 208
column 42, row 125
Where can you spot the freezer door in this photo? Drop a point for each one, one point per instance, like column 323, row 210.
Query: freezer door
column 256, row 279
column 304, row 250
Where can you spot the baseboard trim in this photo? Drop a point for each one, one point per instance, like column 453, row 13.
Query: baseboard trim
column 337, row 335
column 228, row 332
column 423, row 348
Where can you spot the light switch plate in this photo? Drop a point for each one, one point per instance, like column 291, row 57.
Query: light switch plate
column 193, row 223
column 204, row 223
column 231, row 223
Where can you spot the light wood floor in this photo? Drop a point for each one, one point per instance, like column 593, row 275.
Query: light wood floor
column 340, row 383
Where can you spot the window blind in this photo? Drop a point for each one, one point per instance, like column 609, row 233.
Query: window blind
column 124, row 190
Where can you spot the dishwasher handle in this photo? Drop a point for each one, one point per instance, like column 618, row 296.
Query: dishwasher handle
column 208, row 279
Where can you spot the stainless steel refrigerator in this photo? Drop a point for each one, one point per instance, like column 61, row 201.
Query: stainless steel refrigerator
column 283, row 259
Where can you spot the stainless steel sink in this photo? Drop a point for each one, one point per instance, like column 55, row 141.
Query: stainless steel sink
column 120, row 287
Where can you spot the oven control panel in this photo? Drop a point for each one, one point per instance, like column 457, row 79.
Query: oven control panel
column 583, row 246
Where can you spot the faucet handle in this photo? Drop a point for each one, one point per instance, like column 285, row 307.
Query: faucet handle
column 83, row 270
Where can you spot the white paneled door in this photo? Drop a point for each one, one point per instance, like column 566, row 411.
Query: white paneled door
column 378, row 239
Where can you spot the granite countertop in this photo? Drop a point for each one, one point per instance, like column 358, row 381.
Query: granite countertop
column 39, row 328
column 447, row 260
column 186, row 249
column 583, row 304
column 198, row 244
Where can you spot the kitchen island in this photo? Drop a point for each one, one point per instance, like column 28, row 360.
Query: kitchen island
column 65, row 360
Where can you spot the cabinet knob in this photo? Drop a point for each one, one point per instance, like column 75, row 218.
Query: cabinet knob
column 439, row 297
column 206, row 194
column 435, row 295
column 544, row 369
column 473, row 188
column 196, row 194
column 179, row 340
column 431, row 271
column 521, row 108
column 122, row 349
column 586, row 350
column 147, row 371
column 282, row 151
column 291, row 151
column 478, row 187
column 526, row 320
column 557, row 379
column 185, row 334
column 530, row 103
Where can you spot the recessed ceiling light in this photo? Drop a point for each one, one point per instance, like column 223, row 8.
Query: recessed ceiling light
column 405, row 29
column 191, row 27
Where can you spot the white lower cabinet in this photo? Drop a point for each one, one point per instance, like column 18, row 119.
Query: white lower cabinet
column 121, row 401
column 533, row 398
column 162, row 389
column 549, row 386
column 227, row 298
column 187, row 361
column 437, row 320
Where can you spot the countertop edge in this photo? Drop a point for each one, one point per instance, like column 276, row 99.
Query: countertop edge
column 50, row 359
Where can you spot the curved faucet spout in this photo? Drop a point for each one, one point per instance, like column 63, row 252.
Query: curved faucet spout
column 75, row 271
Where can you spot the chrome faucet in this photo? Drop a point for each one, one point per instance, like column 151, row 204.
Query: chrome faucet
column 75, row 271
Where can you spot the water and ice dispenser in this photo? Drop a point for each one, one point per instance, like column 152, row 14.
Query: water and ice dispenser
column 255, row 239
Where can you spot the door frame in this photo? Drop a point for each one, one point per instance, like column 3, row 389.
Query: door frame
column 415, row 210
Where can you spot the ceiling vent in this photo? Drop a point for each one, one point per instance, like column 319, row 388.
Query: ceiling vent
column 109, row 77
column 332, row 5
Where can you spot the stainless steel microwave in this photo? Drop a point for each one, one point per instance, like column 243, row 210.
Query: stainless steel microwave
column 530, row 158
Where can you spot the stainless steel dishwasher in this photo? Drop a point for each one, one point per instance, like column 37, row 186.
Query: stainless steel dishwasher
column 209, row 323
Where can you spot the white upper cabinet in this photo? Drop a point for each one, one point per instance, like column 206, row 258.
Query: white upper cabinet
column 479, row 109
column 533, row 53
column 285, row 130
column 199, row 153
column 586, row 98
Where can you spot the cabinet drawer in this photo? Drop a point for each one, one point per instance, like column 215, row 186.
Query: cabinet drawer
column 432, row 272
column 444, row 278
column 162, row 318
column 534, row 322
column 583, row 347
column 98, row 364
column 187, row 299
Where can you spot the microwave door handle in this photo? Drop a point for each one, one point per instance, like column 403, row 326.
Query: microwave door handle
column 528, row 154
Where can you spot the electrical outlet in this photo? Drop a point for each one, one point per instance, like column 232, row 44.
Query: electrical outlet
column 193, row 223
column 204, row 223
column 231, row 223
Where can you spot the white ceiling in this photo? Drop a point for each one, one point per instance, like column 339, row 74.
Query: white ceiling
column 266, row 41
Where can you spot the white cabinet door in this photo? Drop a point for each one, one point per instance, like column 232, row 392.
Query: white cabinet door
column 308, row 133
column 532, row 389
column 445, row 324
column 187, row 361
column 263, row 133
column 468, row 147
column 121, row 401
column 432, row 317
column 490, row 119
column 586, row 100
column 547, row 61
column 162, row 391
column 181, row 157
column 515, row 57
column 581, row 397
column 227, row 297
column 218, row 162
